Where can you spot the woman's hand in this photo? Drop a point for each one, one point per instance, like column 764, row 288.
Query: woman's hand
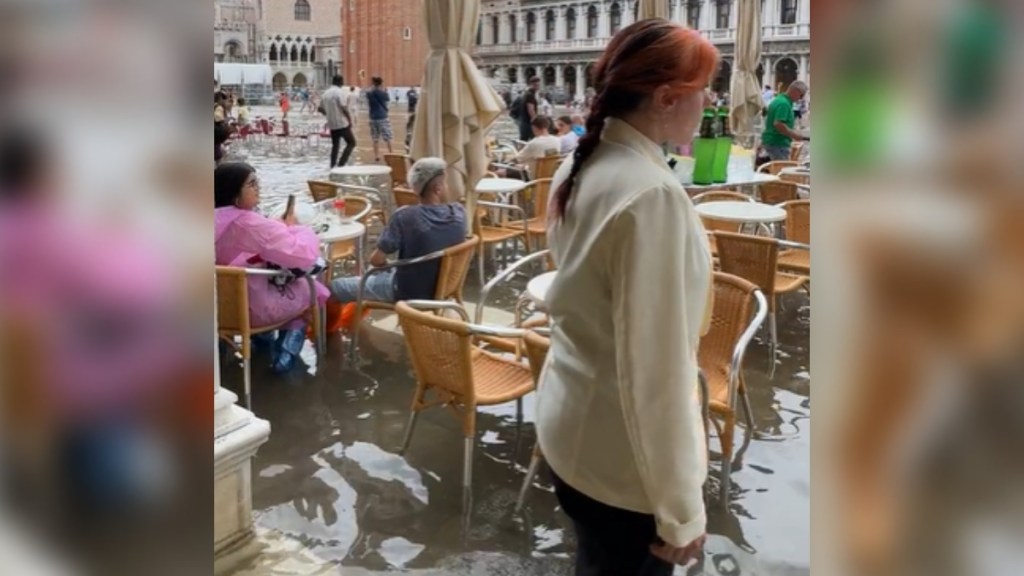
column 680, row 556
column 290, row 219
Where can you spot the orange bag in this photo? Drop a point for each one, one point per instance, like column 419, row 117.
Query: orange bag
column 339, row 317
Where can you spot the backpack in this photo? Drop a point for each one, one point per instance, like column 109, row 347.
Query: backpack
column 515, row 109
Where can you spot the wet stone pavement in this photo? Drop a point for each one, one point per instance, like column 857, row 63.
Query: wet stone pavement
column 331, row 495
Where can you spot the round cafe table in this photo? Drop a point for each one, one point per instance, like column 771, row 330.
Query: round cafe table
column 369, row 175
column 537, row 288
column 742, row 212
column 503, row 187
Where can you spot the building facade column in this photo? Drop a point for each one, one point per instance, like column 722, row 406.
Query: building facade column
column 628, row 12
column 581, row 79
column 803, row 12
column 604, row 20
column 519, row 75
column 804, row 72
column 707, row 15
column 559, row 24
column 559, row 76
column 581, row 20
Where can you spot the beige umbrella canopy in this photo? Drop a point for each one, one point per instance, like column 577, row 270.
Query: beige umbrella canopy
column 457, row 105
column 646, row 9
column 745, row 91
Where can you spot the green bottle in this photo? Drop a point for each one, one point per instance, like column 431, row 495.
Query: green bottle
column 704, row 150
column 723, row 148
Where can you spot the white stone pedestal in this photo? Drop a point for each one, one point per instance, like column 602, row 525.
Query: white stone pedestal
column 237, row 436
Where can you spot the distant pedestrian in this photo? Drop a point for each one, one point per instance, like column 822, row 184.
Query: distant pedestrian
column 304, row 95
column 545, row 107
column 285, row 105
column 380, row 125
column 352, row 103
column 527, row 109
column 339, row 121
column 412, row 97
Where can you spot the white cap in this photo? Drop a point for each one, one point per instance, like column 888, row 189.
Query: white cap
column 423, row 171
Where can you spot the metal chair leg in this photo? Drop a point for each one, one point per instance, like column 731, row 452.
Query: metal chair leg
column 480, row 263
column 409, row 427
column 773, row 345
column 247, row 377
column 531, row 472
column 748, row 413
column 467, row 465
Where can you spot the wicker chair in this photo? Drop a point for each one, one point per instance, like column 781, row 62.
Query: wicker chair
column 755, row 258
column 547, row 166
column 456, row 373
column 776, row 166
column 514, row 230
column 720, row 358
column 405, row 197
column 360, row 210
column 511, row 345
column 322, row 190
column 451, row 278
column 380, row 207
column 777, row 192
column 537, row 346
column 399, row 164
column 537, row 226
column 715, row 225
column 233, row 314
column 798, row 229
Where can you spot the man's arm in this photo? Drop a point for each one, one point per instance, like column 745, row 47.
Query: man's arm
column 531, row 109
column 787, row 131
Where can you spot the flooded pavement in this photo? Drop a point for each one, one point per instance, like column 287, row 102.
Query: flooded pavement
column 331, row 495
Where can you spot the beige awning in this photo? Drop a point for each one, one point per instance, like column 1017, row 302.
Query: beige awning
column 652, row 9
column 457, row 105
column 745, row 90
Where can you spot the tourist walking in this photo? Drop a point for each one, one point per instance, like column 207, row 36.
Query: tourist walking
column 527, row 110
column 380, row 125
column 413, row 97
column 618, row 414
column 339, row 121
column 779, row 120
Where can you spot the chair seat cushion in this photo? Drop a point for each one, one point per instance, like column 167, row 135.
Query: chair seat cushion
column 498, row 380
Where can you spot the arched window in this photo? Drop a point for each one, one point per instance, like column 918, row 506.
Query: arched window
column 303, row 55
column 788, row 15
column 407, row 33
column 616, row 18
column 479, row 33
column 302, row 10
column 295, row 54
column 273, row 52
column 495, row 30
column 592, row 22
column 722, row 14
column 512, row 27
column 531, row 27
column 312, row 53
column 549, row 25
column 570, row 23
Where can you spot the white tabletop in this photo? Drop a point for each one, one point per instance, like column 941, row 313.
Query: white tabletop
column 537, row 289
column 361, row 170
column 499, row 185
column 741, row 211
column 339, row 231
column 749, row 179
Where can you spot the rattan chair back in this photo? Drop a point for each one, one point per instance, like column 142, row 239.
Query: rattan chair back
column 753, row 258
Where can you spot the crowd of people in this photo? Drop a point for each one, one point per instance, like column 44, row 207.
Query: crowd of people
column 618, row 425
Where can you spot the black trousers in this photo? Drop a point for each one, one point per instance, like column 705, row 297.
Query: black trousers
column 350, row 145
column 610, row 541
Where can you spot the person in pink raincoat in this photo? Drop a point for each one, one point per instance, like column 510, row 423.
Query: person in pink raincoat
column 247, row 239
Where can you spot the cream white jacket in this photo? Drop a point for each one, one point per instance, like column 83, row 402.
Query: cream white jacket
column 618, row 408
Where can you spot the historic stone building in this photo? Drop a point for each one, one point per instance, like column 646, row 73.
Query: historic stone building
column 236, row 32
column 559, row 40
column 302, row 41
column 384, row 38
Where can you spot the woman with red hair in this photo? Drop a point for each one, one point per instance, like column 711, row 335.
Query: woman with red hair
column 619, row 418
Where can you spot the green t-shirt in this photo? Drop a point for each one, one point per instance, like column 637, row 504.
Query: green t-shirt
column 781, row 109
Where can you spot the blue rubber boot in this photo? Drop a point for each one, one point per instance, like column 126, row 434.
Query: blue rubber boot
column 289, row 344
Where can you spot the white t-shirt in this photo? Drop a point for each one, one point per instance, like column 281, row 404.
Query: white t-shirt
column 569, row 141
column 539, row 147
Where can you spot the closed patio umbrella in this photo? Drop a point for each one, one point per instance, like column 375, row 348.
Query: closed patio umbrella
column 646, row 9
column 457, row 105
column 745, row 90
